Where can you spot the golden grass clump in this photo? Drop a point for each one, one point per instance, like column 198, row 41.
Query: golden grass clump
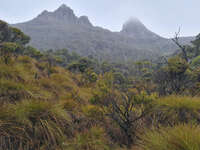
column 93, row 112
column 173, row 110
column 181, row 137
column 12, row 91
column 180, row 102
column 30, row 125
column 92, row 139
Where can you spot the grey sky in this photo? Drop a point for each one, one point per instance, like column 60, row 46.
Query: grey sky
column 163, row 17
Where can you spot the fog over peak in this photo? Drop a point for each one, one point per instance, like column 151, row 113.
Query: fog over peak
column 136, row 29
column 133, row 19
column 133, row 22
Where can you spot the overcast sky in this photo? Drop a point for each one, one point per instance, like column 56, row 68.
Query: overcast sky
column 163, row 17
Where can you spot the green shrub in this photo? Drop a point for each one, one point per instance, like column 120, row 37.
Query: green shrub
column 89, row 77
column 196, row 62
column 9, row 49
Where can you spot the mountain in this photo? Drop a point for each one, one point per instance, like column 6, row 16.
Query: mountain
column 63, row 29
column 134, row 28
column 145, row 38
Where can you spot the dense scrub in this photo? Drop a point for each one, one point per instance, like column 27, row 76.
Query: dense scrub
column 59, row 100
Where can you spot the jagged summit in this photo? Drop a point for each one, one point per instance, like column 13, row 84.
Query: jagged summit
column 64, row 8
column 62, row 15
column 136, row 29
column 65, row 13
column 44, row 13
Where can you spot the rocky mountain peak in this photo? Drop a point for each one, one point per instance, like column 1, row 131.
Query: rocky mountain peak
column 64, row 9
column 65, row 13
column 43, row 14
column 62, row 15
column 136, row 29
column 83, row 20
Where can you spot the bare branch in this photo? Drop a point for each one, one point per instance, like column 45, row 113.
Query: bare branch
column 182, row 47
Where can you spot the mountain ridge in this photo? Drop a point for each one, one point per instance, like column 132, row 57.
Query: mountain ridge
column 63, row 29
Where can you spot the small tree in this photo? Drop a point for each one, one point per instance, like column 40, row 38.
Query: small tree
column 196, row 44
column 128, row 111
column 7, row 50
column 81, row 65
column 182, row 47
column 89, row 76
column 32, row 52
column 4, row 32
column 174, row 77
column 10, row 34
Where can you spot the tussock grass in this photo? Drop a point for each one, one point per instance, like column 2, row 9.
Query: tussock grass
column 8, row 72
column 93, row 112
column 31, row 125
column 25, row 79
column 10, row 91
column 182, row 137
column 180, row 102
column 12, row 132
column 173, row 110
column 25, row 59
column 92, row 139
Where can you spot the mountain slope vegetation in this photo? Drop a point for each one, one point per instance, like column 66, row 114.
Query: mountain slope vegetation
column 59, row 100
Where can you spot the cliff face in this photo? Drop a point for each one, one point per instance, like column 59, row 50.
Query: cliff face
column 63, row 29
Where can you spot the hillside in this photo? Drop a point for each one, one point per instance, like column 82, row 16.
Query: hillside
column 58, row 100
column 63, row 29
